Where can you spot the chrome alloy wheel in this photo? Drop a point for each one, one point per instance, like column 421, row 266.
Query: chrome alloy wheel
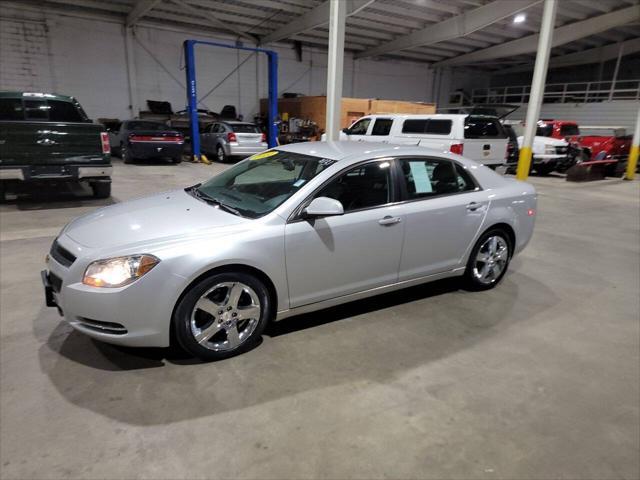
column 225, row 316
column 491, row 260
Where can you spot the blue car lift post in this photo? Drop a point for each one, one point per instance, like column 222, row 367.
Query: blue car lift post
column 192, row 94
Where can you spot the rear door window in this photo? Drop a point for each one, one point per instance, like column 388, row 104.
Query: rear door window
column 382, row 126
column 61, row 111
column 11, row 109
column 482, row 127
column 429, row 126
column 429, row 177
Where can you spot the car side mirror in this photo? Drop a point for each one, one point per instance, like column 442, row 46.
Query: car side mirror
column 346, row 131
column 323, row 207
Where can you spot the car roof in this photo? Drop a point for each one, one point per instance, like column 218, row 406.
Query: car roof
column 346, row 151
column 236, row 122
column 419, row 116
column 53, row 96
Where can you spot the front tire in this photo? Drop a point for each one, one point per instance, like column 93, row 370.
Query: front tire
column 222, row 315
column 544, row 169
column 489, row 260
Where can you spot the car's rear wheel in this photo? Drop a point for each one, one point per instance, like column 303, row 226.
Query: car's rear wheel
column 125, row 155
column 222, row 316
column 220, row 154
column 489, row 260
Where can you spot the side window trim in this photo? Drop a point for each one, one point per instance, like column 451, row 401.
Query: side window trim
column 394, row 182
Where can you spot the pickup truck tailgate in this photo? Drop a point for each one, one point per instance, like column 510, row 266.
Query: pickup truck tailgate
column 49, row 143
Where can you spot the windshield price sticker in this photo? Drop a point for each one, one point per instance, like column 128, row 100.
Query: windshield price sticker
column 267, row 154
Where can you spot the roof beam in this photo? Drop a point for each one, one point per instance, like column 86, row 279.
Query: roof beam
column 312, row 19
column 139, row 10
column 561, row 35
column 213, row 21
column 591, row 55
column 455, row 27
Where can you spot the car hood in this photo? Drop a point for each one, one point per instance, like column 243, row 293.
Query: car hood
column 539, row 140
column 161, row 216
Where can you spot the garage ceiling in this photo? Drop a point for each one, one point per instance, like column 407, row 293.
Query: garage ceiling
column 404, row 29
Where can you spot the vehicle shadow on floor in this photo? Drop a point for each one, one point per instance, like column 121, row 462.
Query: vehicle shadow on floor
column 46, row 197
column 376, row 340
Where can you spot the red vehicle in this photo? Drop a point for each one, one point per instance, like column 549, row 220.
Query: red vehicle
column 590, row 143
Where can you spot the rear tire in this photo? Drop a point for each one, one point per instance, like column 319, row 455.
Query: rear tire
column 125, row 155
column 489, row 260
column 222, row 315
column 101, row 189
column 221, row 156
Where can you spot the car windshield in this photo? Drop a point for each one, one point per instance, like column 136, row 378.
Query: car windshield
column 569, row 130
column 146, row 126
column 545, row 130
column 259, row 184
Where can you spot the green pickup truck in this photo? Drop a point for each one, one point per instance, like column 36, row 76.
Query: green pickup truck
column 48, row 138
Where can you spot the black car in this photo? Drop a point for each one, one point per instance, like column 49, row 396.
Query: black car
column 141, row 139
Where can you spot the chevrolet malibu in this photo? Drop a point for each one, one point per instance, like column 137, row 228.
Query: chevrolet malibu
column 290, row 230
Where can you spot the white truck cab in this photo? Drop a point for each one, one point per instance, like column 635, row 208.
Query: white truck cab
column 478, row 137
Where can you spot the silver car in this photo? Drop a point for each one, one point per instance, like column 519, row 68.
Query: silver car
column 224, row 140
column 291, row 230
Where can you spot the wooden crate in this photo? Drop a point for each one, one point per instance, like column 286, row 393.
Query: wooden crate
column 314, row 108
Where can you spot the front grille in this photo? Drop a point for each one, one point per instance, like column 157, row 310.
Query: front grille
column 56, row 282
column 102, row 327
column 61, row 255
column 562, row 150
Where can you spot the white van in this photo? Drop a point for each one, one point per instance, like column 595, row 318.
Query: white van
column 479, row 137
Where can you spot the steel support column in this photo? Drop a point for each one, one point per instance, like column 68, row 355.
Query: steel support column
column 131, row 71
column 337, row 18
column 632, row 164
column 537, row 87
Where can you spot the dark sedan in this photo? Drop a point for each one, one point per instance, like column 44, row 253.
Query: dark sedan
column 139, row 139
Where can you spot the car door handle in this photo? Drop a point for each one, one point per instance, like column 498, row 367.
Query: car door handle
column 389, row 220
column 473, row 206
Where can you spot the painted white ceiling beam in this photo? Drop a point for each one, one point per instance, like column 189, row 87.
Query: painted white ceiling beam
column 139, row 10
column 592, row 55
column 451, row 28
column 198, row 12
column 561, row 35
column 308, row 21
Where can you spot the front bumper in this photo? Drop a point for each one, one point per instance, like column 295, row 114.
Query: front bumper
column 34, row 173
column 137, row 315
column 238, row 150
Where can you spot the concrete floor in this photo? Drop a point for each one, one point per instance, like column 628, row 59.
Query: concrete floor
column 536, row 379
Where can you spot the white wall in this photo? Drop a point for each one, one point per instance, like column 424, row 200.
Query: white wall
column 44, row 50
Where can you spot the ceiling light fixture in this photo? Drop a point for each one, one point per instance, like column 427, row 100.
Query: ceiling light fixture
column 521, row 17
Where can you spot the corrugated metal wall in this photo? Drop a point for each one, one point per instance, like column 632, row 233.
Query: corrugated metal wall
column 617, row 113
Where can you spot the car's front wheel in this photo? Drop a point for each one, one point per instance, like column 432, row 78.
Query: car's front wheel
column 222, row 315
column 489, row 260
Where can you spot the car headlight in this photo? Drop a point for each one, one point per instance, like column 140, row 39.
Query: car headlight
column 119, row 271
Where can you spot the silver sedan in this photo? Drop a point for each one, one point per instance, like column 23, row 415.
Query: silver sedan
column 290, row 230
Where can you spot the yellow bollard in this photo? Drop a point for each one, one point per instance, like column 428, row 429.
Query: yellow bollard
column 632, row 162
column 524, row 163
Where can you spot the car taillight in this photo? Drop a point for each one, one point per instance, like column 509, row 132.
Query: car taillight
column 457, row 148
column 531, row 212
column 104, row 139
column 264, row 137
column 231, row 137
